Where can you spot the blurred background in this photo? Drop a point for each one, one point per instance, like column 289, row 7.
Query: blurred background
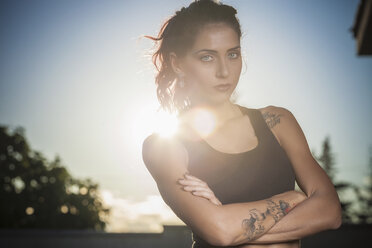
column 77, row 99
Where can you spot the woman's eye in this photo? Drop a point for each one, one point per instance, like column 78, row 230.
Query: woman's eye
column 206, row 56
column 236, row 55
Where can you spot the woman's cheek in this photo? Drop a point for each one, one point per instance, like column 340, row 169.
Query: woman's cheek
column 204, row 75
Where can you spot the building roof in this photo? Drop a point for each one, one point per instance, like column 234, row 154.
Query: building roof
column 362, row 28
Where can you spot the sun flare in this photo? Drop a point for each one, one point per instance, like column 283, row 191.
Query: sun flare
column 148, row 120
column 203, row 122
column 165, row 125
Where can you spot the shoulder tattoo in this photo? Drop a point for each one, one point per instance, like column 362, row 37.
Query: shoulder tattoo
column 271, row 118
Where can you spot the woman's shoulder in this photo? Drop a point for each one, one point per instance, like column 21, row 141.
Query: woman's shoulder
column 276, row 118
column 157, row 143
column 261, row 110
column 159, row 151
column 270, row 111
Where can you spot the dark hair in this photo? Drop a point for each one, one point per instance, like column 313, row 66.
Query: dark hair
column 177, row 34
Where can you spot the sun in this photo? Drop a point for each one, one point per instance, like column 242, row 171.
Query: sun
column 149, row 119
column 203, row 122
column 165, row 124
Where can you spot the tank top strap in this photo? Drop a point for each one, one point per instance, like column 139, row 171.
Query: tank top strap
column 257, row 121
column 262, row 129
column 258, row 124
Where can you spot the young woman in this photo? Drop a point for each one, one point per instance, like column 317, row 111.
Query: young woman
column 238, row 179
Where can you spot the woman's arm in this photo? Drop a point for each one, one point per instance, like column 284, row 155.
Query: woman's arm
column 300, row 222
column 322, row 209
column 167, row 159
column 261, row 216
column 200, row 188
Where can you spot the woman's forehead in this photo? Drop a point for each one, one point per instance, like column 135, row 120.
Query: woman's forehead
column 216, row 37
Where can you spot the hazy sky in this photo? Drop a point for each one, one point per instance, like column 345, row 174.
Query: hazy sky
column 77, row 77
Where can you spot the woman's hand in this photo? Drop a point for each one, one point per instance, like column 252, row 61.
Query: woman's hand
column 199, row 188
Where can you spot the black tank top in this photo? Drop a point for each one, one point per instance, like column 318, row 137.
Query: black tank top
column 253, row 175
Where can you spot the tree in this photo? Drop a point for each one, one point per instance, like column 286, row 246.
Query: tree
column 327, row 161
column 364, row 195
column 36, row 193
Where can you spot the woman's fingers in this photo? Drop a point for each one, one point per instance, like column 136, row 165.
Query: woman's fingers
column 194, row 185
column 191, row 180
column 203, row 192
column 198, row 188
column 188, row 176
column 207, row 195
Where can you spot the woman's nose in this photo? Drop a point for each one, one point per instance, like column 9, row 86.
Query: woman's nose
column 223, row 70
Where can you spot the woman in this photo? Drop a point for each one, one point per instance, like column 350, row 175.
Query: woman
column 238, row 168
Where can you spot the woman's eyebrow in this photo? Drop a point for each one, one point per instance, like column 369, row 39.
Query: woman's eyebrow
column 214, row 51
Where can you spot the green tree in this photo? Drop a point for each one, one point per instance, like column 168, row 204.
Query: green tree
column 327, row 161
column 364, row 196
column 36, row 193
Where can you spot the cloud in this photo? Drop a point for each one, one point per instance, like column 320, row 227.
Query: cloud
column 138, row 216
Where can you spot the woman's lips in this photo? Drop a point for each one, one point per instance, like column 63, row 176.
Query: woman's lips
column 223, row 87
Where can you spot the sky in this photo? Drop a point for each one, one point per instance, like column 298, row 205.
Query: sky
column 78, row 77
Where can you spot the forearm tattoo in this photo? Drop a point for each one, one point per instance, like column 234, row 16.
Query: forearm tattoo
column 253, row 225
column 277, row 210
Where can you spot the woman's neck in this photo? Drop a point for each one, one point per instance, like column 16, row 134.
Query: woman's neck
column 221, row 113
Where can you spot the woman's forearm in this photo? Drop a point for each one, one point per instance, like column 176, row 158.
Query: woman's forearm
column 316, row 213
column 249, row 220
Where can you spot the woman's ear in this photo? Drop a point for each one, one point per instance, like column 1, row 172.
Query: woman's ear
column 175, row 63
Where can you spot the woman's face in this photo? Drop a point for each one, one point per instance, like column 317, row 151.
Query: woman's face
column 214, row 59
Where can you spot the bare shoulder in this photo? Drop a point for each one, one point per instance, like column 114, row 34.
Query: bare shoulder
column 277, row 118
column 159, row 153
column 167, row 159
